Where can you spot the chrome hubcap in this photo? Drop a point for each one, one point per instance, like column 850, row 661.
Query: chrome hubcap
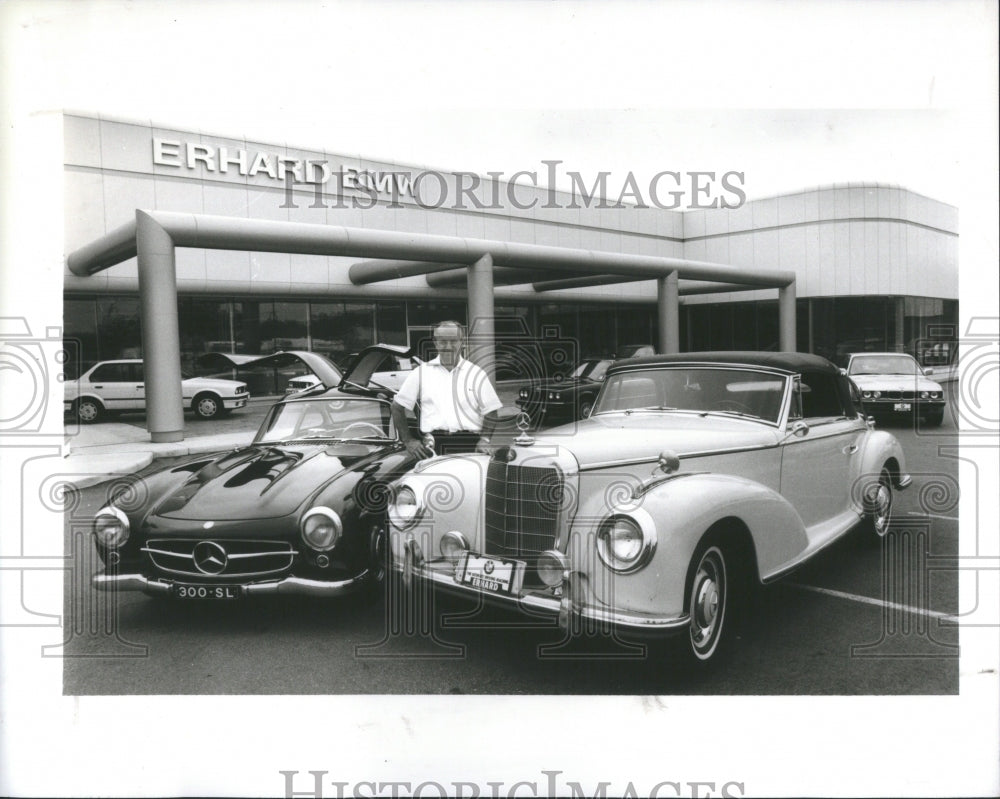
column 88, row 412
column 708, row 595
column 882, row 504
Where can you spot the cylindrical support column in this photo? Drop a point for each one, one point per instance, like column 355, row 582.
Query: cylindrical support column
column 668, row 314
column 161, row 349
column 786, row 318
column 482, row 340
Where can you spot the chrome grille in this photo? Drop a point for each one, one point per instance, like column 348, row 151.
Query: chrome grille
column 522, row 509
column 240, row 557
column 900, row 395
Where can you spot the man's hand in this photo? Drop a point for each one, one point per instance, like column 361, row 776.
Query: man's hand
column 483, row 446
column 417, row 448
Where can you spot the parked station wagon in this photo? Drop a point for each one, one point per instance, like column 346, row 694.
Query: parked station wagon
column 695, row 476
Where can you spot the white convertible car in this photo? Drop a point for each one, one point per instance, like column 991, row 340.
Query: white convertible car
column 694, row 476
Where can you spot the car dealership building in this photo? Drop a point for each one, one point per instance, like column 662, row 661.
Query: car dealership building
column 875, row 266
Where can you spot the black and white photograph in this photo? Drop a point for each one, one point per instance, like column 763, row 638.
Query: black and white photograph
column 479, row 399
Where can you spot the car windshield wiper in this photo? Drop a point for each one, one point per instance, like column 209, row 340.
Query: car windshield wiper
column 650, row 408
column 732, row 413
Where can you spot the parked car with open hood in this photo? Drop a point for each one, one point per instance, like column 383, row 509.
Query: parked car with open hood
column 299, row 511
column 894, row 383
column 695, row 477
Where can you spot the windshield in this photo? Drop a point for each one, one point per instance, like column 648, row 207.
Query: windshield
column 737, row 392
column 883, row 365
column 591, row 370
column 323, row 419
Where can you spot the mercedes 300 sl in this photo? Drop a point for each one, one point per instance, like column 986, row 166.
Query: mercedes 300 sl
column 299, row 511
column 694, row 477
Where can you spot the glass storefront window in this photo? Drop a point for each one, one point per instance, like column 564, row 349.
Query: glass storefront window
column 79, row 336
column 204, row 327
column 339, row 329
column 119, row 332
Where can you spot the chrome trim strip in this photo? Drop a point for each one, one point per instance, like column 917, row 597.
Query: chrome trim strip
column 686, row 456
column 550, row 605
column 905, row 481
column 290, row 585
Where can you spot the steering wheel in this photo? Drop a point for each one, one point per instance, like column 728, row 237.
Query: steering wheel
column 378, row 431
column 732, row 405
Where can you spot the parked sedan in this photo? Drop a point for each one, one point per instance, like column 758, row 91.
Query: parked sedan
column 894, row 383
column 116, row 386
column 555, row 401
column 299, row 511
column 695, row 477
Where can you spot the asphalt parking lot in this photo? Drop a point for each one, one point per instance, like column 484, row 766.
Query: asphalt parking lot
column 865, row 617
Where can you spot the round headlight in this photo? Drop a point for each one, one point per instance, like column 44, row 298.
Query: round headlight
column 453, row 545
column 866, row 395
column 551, row 567
column 876, row 394
column 557, row 396
column 622, row 544
column 925, row 394
column 321, row 529
column 111, row 527
column 404, row 509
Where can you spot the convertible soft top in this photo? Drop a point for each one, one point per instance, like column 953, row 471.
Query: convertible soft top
column 789, row 361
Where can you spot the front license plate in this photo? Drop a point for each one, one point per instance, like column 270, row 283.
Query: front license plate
column 207, row 591
column 901, row 406
column 494, row 575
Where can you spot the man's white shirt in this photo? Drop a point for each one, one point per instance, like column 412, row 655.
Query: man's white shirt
column 449, row 400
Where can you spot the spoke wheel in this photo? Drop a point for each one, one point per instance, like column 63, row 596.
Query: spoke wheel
column 708, row 602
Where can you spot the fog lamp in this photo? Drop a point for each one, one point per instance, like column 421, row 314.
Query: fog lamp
column 551, row 567
column 453, row 545
column 111, row 527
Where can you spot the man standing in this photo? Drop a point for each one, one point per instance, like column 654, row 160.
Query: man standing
column 458, row 404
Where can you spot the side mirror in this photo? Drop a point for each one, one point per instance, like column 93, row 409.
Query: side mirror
column 800, row 429
column 843, row 371
column 670, row 462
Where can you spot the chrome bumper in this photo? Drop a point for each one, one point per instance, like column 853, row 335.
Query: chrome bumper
column 541, row 604
column 289, row 586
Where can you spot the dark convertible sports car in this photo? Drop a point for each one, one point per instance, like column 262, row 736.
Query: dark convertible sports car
column 298, row 511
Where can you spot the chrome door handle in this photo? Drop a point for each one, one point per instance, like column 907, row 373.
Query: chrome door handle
column 139, row 386
column 850, row 449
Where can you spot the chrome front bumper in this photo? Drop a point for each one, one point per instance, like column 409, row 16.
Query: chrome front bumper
column 288, row 586
column 442, row 575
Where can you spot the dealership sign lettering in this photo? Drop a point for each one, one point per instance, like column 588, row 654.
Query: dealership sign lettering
column 225, row 160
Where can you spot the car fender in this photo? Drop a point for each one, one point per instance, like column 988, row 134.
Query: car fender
column 878, row 449
column 450, row 489
column 79, row 395
column 681, row 511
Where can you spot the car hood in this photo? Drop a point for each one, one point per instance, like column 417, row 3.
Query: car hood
column 643, row 435
column 263, row 482
column 895, row 383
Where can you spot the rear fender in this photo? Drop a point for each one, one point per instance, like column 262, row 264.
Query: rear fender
column 880, row 451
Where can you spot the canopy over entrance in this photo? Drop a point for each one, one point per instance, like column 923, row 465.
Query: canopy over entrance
column 444, row 260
